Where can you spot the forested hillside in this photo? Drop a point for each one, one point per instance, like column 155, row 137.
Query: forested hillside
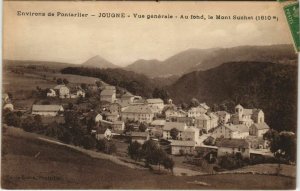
column 271, row 87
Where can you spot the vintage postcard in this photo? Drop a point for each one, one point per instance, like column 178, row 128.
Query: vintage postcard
column 149, row 95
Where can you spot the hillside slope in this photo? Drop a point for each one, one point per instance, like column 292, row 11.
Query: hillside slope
column 271, row 87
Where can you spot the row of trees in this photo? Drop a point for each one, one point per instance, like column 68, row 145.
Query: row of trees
column 151, row 153
column 72, row 131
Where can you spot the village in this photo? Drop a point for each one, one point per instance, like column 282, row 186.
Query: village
column 198, row 133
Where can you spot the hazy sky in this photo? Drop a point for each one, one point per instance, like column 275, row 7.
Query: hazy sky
column 121, row 41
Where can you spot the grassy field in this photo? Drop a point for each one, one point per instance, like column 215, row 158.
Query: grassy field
column 31, row 163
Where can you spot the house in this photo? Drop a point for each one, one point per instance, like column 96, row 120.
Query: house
column 79, row 92
column 139, row 137
column 204, row 106
column 159, row 123
column 185, row 133
column 103, row 133
column 109, row 87
column 108, row 95
column 141, row 113
column 240, row 131
column 257, row 142
column 214, row 120
column 62, row 91
column 258, row 129
column 98, row 118
column 196, row 111
column 247, row 116
column 8, row 106
column 115, row 108
column 172, row 113
column 47, row 110
column 118, row 126
column 112, row 116
column 206, row 121
column 233, row 146
column 51, row 93
column 202, row 122
column 182, row 147
column 127, row 97
column 223, row 117
column 171, row 125
column 157, row 105
column 189, row 121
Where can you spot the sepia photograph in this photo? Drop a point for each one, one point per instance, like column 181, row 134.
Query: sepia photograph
column 149, row 95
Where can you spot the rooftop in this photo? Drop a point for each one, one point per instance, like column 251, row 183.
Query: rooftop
column 170, row 125
column 138, row 109
column 47, row 108
column 261, row 126
column 107, row 92
column 156, row 100
column 183, row 143
column 233, row 143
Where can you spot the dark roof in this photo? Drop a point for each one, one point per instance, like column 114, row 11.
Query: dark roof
column 107, row 92
column 233, row 143
column 170, row 125
column 261, row 126
column 138, row 109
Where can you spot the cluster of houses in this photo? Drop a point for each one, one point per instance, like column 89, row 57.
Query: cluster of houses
column 62, row 91
column 237, row 132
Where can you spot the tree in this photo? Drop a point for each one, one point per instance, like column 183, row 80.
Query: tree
column 160, row 93
column 65, row 81
column 65, row 136
column 99, row 84
column 143, row 127
column 88, row 142
column 152, row 153
column 168, row 163
column 28, row 124
column 194, row 102
column 174, row 133
column 282, row 145
column 12, row 119
column 134, row 150
column 106, row 146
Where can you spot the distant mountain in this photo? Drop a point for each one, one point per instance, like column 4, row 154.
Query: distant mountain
column 203, row 59
column 98, row 62
column 271, row 87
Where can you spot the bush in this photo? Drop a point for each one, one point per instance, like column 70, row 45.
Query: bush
column 231, row 162
column 134, row 150
column 88, row 142
column 106, row 146
column 65, row 137
column 12, row 119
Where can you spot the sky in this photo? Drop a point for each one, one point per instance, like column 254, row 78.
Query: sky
column 123, row 41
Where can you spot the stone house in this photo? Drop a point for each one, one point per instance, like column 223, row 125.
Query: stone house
column 47, row 110
column 233, row 146
column 258, row 129
column 240, row 131
column 141, row 113
column 157, row 105
column 62, row 91
column 182, row 147
column 247, row 116
column 108, row 95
